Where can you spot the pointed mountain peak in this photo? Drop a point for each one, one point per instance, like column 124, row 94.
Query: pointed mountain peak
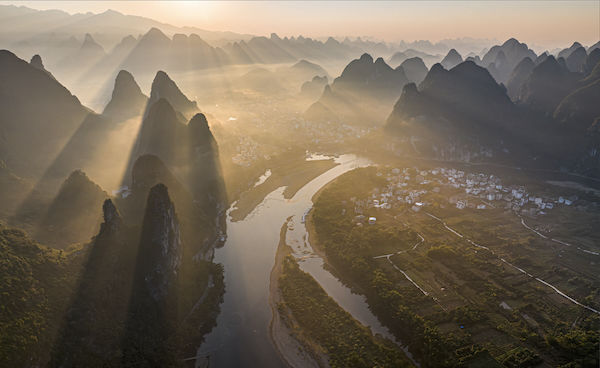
column 127, row 98
column 366, row 57
column 75, row 209
column 275, row 37
column 199, row 134
column 88, row 38
column 332, row 40
column 548, row 66
column 111, row 12
column 164, row 87
column 124, row 78
column 128, row 40
column 112, row 217
column 154, row 32
column 525, row 63
column 90, row 47
column 452, row 59
column 436, row 69
column 510, row 42
column 36, row 61
column 78, row 182
column 563, row 64
column 410, row 89
column 199, row 122
column 453, row 53
column 162, row 77
column 160, row 242
column 159, row 196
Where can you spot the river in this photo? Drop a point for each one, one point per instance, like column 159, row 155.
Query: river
column 241, row 337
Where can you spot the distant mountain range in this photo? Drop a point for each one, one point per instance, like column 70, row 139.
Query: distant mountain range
column 463, row 114
column 362, row 95
column 35, row 27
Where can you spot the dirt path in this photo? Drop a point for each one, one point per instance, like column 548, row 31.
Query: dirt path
column 517, row 268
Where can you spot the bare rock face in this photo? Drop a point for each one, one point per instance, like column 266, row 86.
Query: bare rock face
column 113, row 222
column 205, row 180
column 160, row 244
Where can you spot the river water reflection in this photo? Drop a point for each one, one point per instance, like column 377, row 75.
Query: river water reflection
column 241, row 337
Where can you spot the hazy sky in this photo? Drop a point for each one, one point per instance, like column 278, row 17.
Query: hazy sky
column 548, row 23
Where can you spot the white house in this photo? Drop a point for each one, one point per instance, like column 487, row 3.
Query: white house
column 372, row 220
column 122, row 191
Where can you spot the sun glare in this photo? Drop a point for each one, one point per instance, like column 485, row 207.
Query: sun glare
column 186, row 13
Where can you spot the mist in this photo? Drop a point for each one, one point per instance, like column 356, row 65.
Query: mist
column 286, row 184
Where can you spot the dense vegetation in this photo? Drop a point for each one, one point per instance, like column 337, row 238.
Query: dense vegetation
column 349, row 344
column 36, row 282
column 83, row 307
column 476, row 277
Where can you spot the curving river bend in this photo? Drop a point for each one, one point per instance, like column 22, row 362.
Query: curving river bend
column 241, row 337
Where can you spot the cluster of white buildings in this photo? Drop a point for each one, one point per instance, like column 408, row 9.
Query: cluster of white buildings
column 420, row 188
column 247, row 152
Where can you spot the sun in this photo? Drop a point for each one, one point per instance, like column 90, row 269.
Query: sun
column 186, row 13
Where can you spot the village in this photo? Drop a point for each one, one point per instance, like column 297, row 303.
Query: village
column 247, row 152
column 414, row 189
column 272, row 119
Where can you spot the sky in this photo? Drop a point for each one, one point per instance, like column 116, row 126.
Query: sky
column 548, row 23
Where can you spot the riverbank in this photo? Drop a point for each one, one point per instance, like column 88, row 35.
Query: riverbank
column 310, row 229
column 283, row 329
column 293, row 176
